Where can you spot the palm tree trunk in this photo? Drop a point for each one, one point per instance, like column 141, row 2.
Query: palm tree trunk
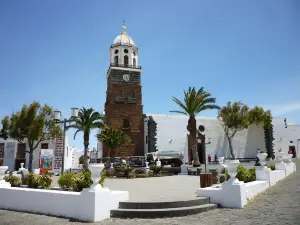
column 192, row 124
column 86, row 147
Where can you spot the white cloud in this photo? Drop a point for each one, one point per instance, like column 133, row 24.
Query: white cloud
column 282, row 109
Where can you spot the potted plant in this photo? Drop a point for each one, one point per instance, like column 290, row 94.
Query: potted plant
column 262, row 155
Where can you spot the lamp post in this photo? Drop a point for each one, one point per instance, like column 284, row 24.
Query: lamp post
column 65, row 122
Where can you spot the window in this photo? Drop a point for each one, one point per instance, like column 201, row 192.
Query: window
column 126, row 123
column 134, row 53
column 125, row 60
column 119, row 93
column 132, row 94
column 116, row 60
column 116, row 51
column 126, row 51
column 44, row 146
column 134, row 62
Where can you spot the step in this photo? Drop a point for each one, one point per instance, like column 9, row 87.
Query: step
column 161, row 205
column 161, row 213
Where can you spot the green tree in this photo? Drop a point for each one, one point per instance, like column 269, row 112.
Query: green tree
column 87, row 120
column 195, row 101
column 34, row 124
column 258, row 115
column 113, row 139
column 236, row 116
column 233, row 117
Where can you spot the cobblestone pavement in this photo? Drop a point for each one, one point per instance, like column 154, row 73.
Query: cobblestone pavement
column 278, row 205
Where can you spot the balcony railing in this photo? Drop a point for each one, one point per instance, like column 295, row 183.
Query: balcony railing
column 119, row 44
column 120, row 99
column 132, row 100
column 126, row 66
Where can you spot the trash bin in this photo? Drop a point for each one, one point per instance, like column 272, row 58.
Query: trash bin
column 205, row 180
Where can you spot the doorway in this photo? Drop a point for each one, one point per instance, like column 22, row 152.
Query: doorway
column 292, row 150
column 20, row 156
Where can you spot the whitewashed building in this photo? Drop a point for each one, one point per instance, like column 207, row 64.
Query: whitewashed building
column 170, row 134
column 12, row 153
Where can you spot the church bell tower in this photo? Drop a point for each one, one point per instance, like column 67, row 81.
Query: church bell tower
column 123, row 106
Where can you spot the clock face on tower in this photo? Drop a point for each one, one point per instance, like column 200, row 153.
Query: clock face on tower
column 126, row 77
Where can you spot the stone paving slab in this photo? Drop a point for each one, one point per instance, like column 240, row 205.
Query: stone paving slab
column 278, row 205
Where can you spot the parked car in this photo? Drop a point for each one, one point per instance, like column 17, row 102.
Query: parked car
column 136, row 161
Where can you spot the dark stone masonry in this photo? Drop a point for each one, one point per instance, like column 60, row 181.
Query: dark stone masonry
column 278, row 205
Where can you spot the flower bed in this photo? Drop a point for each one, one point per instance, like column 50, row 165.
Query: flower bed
column 127, row 172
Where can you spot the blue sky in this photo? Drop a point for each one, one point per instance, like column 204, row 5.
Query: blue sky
column 58, row 52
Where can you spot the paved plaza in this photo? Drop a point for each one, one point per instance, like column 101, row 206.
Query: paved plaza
column 278, row 205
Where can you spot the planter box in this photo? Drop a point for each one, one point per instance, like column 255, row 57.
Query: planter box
column 290, row 168
column 87, row 205
column 237, row 194
column 275, row 176
column 233, row 196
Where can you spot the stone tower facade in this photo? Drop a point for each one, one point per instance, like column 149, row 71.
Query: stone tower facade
column 123, row 107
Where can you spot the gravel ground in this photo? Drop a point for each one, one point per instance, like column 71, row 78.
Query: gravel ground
column 278, row 205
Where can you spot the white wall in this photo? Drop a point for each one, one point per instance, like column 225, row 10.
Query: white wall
column 171, row 135
column 284, row 136
column 10, row 154
column 88, row 205
column 75, row 158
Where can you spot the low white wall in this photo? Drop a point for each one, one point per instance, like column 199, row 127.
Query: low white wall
column 236, row 195
column 255, row 187
column 87, row 205
column 290, row 168
column 275, row 176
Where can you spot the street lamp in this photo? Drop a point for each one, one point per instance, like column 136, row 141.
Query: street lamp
column 65, row 122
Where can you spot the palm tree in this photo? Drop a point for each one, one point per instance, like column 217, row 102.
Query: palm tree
column 87, row 120
column 194, row 103
column 113, row 139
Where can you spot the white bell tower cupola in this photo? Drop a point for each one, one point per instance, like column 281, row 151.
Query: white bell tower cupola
column 123, row 52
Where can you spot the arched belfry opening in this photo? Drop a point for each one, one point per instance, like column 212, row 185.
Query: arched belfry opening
column 116, row 60
column 125, row 60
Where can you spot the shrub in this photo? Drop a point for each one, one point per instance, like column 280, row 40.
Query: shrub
column 156, row 170
column 246, row 175
column 66, row 180
column 82, row 180
column 139, row 171
column 44, row 181
column 13, row 180
column 124, row 171
column 225, row 173
column 32, row 180
column 109, row 172
column 150, row 174
column 271, row 166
